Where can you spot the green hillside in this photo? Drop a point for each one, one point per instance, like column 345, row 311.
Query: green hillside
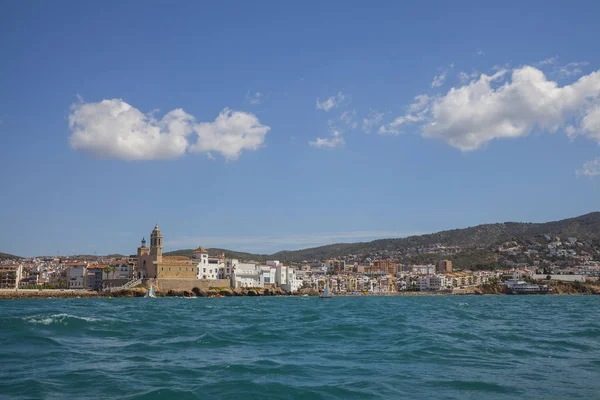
column 478, row 241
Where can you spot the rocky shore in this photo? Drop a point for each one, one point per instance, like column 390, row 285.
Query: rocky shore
column 557, row 288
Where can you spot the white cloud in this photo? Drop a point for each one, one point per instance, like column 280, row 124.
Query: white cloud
column 374, row 118
column 336, row 140
column 590, row 168
column 255, row 99
column 416, row 113
column 469, row 116
column 572, row 69
column 115, row 129
column 330, row 103
column 464, row 77
column 349, row 119
column 549, row 61
column 480, row 53
column 230, row 134
column 438, row 80
column 590, row 124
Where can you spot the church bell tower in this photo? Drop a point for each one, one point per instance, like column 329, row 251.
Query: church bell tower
column 156, row 243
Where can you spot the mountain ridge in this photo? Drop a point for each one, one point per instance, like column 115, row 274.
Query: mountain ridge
column 585, row 227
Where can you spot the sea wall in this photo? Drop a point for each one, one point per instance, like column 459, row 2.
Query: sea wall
column 165, row 284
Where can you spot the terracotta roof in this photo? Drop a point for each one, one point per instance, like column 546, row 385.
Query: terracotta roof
column 200, row 250
column 173, row 258
column 97, row 266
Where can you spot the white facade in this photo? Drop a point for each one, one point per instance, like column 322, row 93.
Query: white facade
column 435, row 282
column 201, row 260
column 246, row 275
column 285, row 278
column 423, row 269
column 564, row 278
column 76, row 276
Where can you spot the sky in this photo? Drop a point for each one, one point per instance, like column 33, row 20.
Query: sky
column 264, row 126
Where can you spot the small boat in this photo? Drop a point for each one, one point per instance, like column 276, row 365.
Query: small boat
column 326, row 294
column 150, row 292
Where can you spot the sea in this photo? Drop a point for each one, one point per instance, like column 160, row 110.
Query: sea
column 400, row 347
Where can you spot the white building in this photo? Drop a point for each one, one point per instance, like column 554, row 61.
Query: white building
column 434, row 282
column 76, row 275
column 200, row 257
column 247, row 275
column 564, row 278
column 285, row 278
column 212, row 267
column 422, row 269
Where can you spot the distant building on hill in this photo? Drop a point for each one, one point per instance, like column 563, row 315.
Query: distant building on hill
column 444, row 266
column 385, row 266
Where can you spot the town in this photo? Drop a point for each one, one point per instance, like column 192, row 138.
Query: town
column 346, row 275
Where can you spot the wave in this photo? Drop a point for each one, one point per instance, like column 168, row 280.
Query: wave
column 62, row 319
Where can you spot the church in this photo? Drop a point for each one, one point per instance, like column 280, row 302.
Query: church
column 152, row 264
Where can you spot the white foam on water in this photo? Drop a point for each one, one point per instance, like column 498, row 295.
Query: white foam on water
column 56, row 318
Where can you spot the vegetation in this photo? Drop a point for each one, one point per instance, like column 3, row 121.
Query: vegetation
column 6, row 256
column 478, row 243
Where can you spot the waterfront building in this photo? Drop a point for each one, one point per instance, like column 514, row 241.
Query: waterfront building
column 245, row 275
column 217, row 267
column 285, row 278
column 93, row 277
column 76, row 274
column 10, row 275
column 200, row 257
column 123, row 269
column 152, row 264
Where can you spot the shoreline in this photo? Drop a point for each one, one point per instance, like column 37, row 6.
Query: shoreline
column 12, row 294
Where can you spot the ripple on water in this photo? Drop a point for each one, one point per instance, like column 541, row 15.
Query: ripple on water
column 288, row 348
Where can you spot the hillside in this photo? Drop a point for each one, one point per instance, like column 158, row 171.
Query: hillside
column 477, row 240
column 216, row 251
column 5, row 256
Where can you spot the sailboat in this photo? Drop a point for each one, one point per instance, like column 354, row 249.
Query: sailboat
column 326, row 293
column 150, row 292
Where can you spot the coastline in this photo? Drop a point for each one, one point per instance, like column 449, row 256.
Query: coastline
column 13, row 294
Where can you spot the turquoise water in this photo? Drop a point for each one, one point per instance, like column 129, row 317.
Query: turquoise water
column 454, row 347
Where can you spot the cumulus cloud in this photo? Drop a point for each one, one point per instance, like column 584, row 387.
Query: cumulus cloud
column 507, row 104
column 115, row 129
column 230, row 134
column 336, row 140
column 470, row 116
column 330, row 103
column 590, row 168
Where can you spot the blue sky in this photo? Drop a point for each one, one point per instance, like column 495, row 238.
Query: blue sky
column 279, row 125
